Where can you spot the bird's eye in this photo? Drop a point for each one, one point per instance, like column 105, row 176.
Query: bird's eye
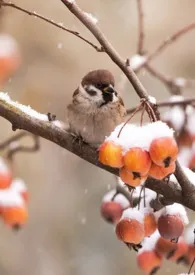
column 101, row 86
column 91, row 92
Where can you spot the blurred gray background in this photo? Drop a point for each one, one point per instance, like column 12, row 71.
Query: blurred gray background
column 65, row 233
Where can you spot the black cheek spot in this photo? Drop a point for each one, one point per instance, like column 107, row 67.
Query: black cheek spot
column 107, row 97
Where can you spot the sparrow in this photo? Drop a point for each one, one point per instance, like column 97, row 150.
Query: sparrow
column 96, row 108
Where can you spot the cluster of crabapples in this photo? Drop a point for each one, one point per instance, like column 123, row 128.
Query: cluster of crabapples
column 139, row 152
column 155, row 235
column 182, row 119
column 13, row 198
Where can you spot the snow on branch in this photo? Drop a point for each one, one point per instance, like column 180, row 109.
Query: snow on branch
column 25, row 118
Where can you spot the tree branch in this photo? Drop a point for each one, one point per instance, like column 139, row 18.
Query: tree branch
column 166, row 103
column 35, row 123
column 50, row 21
column 164, row 44
column 141, row 36
column 108, row 48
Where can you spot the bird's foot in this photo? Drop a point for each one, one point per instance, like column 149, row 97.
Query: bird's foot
column 51, row 117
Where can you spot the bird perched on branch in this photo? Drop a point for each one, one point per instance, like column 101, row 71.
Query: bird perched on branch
column 96, row 108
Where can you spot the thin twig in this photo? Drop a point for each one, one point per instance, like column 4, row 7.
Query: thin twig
column 24, row 149
column 12, row 139
column 191, row 266
column 107, row 46
column 141, row 36
column 168, row 81
column 184, row 102
column 137, row 109
column 164, row 44
column 50, row 21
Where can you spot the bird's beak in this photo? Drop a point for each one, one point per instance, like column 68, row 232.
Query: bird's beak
column 109, row 89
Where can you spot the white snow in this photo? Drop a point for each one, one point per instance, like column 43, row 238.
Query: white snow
column 176, row 115
column 133, row 214
column 178, row 210
column 137, row 61
column 149, row 244
column 180, row 81
column 91, row 18
column 119, row 198
column 59, row 124
column 9, row 198
column 185, row 155
column 60, row 45
column 190, row 123
column 8, row 46
column 136, row 136
column 189, row 234
column 23, row 108
column 3, row 166
column 18, row 186
column 176, row 98
column 152, row 99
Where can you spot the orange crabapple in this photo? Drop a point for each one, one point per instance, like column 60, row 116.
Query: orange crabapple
column 165, row 247
column 137, row 160
column 111, row 211
column 150, row 224
column 163, row 151
column 131, row 178
column 159, row 172
column 15, row 216
column 170, row 227
column 178, row 254
column 149, row 261
column 130, row 228
column 111, row 154
column 112, row 206
column 190, row 254
column 10, row 59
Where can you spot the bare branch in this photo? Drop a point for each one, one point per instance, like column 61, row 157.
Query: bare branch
column 174, row 37
column 13, row 146
column 108, row 48
column 50, row 21
column 184, row 102
column 12, row 151
column 14, row 138
column 166, row 80
column 141, row 36
column 175, row 85
column 22, row 119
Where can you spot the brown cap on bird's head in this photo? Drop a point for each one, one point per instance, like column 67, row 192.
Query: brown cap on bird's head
column 98, row 77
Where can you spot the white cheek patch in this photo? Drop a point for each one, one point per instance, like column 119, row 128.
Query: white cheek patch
column 115, row 98
column 96, row 98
